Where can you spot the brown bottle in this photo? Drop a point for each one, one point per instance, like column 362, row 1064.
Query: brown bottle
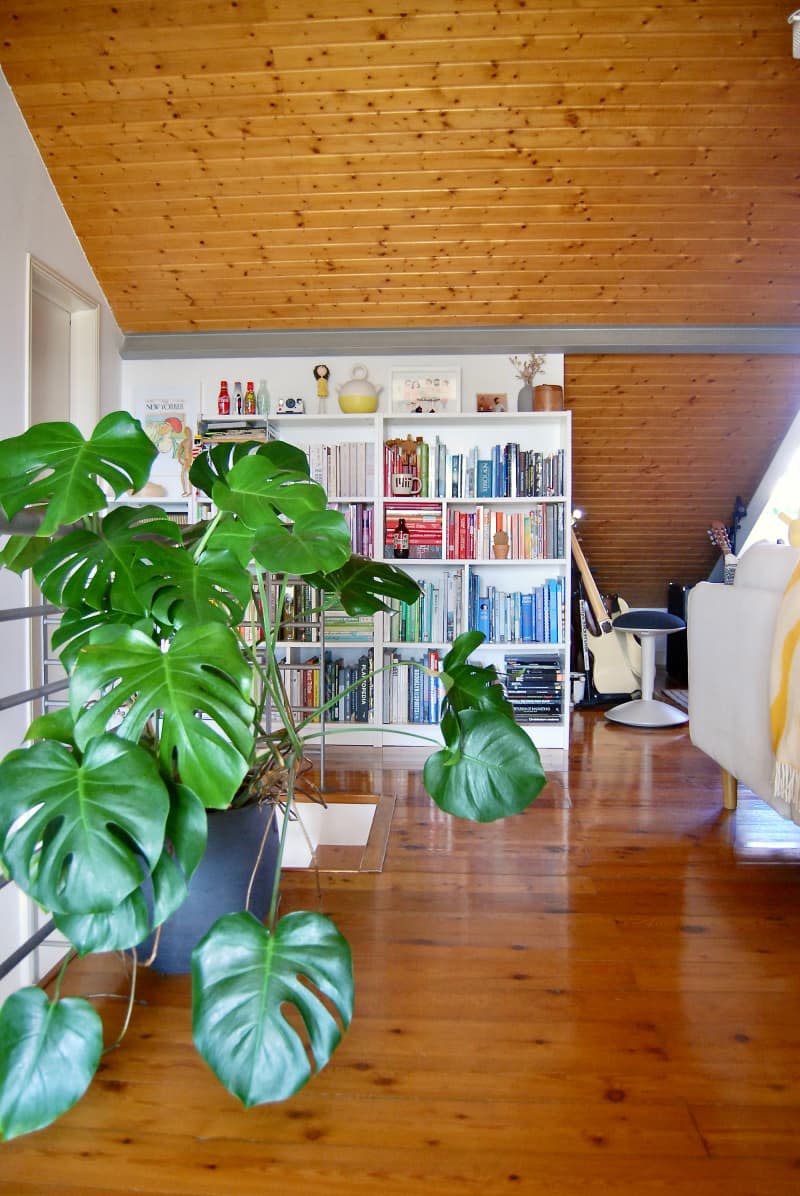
column 400, row 540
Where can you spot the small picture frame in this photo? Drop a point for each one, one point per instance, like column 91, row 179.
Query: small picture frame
column 426, row 390
column 489, row 402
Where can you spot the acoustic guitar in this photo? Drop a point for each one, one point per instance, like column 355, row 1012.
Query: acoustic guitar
column 616, row 658
column 720, row 537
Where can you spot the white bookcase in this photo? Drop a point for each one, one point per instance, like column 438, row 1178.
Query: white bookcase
column 463, row 581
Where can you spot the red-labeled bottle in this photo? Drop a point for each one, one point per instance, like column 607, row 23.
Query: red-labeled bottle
column 224, row 400
column 249, row 400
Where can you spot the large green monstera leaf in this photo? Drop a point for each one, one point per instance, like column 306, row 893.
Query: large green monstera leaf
column 362, row 585
column 103, row 569
column 469, row 686
column 244, row 977
column 79, row 623
column 130, row 922
column 489, row 768
column 179, row 591
column 53, row 464
column 215, row 465
column 49, row 1054
column 254, row 491
column 77, row 833
column 200, row 672
column 316, row 539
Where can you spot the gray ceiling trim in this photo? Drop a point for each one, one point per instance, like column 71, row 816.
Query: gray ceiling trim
column 349, row 342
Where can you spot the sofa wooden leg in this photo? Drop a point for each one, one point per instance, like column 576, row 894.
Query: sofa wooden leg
column 730, row 790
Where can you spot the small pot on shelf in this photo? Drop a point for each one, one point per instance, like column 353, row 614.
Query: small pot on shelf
column 548, row 397
column 500, row 544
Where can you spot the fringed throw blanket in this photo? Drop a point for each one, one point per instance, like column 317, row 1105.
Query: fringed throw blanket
column 785, row 697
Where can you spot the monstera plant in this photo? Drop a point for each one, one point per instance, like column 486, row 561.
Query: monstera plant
column 104, row 812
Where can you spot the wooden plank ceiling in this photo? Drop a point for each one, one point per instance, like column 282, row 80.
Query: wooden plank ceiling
column 364, row 164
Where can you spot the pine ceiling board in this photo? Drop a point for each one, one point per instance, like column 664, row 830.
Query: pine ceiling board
column 494, row 158
column 563, row 146
column 546, row 33
column 582, row 109
column 361, row 257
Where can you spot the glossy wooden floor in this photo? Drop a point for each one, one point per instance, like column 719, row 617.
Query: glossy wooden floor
column 600, row 996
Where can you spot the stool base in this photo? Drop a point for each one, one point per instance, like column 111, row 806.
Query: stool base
column 647, row 712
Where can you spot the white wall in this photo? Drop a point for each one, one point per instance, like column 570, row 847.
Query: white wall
column 32, row 221
column 196, row 381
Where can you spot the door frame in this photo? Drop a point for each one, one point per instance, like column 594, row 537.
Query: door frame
column 84, row 312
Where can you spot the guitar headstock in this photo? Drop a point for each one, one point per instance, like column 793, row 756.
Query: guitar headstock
column 718, row 535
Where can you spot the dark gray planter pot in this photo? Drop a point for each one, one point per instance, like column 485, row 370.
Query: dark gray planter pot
column 219, row 886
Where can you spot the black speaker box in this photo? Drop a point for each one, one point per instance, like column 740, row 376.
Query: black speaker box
column 677, row 663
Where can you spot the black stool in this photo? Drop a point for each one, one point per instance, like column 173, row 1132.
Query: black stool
column 648, row 711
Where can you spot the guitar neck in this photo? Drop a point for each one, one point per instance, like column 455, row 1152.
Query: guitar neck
column 592, row 593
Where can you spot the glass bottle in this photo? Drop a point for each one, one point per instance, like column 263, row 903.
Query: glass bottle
column 238, row 397
column 224, row 400
column 400, row 540
column 262, row 398
column 249, row 400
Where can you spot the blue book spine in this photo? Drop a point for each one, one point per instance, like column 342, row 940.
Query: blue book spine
column 554, row 621
column 484, row 479
column 526, row 617
column 538, row 602
column 484, row 622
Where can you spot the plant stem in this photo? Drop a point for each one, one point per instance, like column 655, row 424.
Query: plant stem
column 129, row 1011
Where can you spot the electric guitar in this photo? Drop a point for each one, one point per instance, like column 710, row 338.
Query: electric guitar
column 616, row 658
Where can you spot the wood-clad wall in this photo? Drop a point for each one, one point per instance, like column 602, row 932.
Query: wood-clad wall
column 663, row 444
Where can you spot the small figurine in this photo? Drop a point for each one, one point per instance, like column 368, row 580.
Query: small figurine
column 322, row 374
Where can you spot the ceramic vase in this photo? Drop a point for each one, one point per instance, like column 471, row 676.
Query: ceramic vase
column 525, row 398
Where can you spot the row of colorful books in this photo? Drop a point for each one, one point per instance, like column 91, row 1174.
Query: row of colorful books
column 299, row 615
column 355, row 685
column 423, row 524
column 360, row 517
column 534, row 685
column 537, row 534
column 496, row 471
column 346, row 469
column 437, row 618
column 535, row 616
column 412, row 694
column 303, row 683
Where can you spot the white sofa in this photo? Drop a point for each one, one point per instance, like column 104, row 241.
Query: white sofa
column 730, row 629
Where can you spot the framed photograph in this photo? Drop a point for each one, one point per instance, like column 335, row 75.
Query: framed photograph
column 426, row 390
column 491, row 402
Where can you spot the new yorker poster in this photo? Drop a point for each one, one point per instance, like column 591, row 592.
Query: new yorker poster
column 169, row 423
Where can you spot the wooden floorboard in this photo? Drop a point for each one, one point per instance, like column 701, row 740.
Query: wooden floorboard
column 599, row 996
